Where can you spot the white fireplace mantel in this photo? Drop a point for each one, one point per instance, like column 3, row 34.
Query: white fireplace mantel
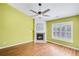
column 40, row 27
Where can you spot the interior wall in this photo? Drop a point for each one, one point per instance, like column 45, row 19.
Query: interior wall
column 1, row 27
column 15, row 27
column 75, row 20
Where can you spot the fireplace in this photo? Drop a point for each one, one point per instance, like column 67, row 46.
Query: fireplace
column 40, row 31
column 40, row 36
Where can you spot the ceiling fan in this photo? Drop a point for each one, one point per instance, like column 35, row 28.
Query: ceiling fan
column 42, row 13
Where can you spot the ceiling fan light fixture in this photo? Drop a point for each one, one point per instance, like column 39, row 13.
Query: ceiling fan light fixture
column 40, row 13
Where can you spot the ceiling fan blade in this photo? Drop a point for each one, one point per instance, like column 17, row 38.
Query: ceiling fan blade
column 46, row 15
column 45, row 11
column 34, row 11
column 34, row 15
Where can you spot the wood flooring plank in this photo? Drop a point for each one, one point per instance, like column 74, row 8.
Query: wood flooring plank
column 38, row 49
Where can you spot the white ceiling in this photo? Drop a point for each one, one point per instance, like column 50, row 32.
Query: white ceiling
column 57, row 10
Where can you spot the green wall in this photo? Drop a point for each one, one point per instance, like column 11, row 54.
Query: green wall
column 1, row 26
column 75, row 20
column 15, row 27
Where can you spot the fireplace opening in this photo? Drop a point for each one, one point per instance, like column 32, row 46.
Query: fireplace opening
column 40, row 36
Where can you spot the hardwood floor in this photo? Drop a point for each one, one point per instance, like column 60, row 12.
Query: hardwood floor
column 40, row 49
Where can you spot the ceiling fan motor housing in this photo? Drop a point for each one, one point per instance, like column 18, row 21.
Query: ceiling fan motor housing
column 39, row 12
column 39, row 4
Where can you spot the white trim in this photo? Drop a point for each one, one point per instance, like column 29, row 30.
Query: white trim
column 61, row 17
column 15, row 44
column 64, row 45
column 40, row 41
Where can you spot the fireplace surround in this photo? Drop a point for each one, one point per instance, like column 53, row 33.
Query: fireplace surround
column 40, row 36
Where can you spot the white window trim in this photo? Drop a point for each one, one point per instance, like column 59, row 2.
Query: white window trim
column 62, row 39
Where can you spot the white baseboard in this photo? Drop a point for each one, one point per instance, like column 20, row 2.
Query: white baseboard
column 64, row 45
column 15, row 44
column 40, row 41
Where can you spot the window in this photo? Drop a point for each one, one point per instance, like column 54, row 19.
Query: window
column 63, row 31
